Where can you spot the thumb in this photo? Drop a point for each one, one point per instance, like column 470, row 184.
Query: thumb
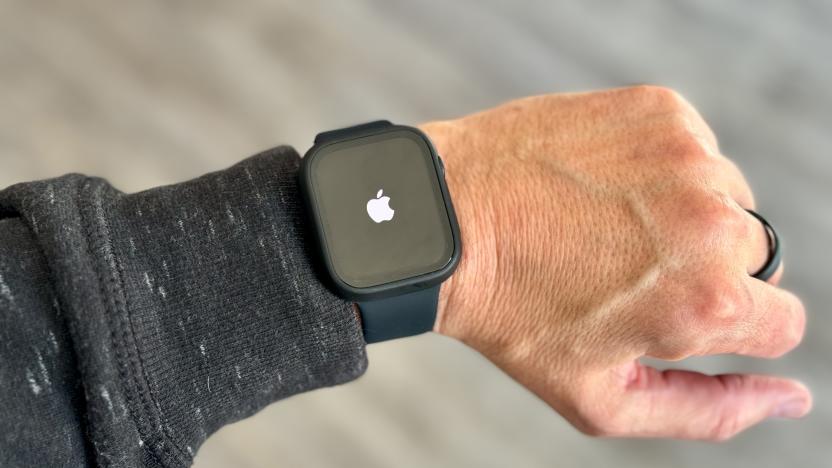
column 691, row 405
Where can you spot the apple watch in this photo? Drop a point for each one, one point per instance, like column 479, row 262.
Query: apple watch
column 384, row 224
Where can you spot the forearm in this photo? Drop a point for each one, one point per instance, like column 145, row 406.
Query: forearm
column 189, row 306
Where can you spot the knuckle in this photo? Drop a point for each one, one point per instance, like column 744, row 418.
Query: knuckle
column 683, row 144
column 706, row 301
column 713, row 217
column 716, row 300
column 660, row 96
column 727, row 422
column 727, row 425
column 688, row 150
column 701, row 309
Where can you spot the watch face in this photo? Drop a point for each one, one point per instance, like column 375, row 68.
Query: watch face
column 380, row 208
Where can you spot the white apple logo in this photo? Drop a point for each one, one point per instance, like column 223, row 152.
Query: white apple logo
column 379, row 208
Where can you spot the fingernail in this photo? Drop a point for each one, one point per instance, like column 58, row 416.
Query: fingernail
column 792, row 408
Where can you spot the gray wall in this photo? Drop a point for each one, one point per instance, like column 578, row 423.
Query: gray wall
column 153, row 92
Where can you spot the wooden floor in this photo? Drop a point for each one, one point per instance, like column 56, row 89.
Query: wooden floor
column 153, row 92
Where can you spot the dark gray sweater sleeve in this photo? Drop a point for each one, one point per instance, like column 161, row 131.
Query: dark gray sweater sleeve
column 132, row 327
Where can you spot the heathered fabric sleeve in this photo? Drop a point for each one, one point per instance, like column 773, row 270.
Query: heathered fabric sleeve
column 135, row 326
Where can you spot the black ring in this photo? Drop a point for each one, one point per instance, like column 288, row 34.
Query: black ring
column 774, row 253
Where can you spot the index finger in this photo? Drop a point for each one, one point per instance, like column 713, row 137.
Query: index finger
column 771, row 322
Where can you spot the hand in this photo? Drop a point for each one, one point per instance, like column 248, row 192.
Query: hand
column 599, row 228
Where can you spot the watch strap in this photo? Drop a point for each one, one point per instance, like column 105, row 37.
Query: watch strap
column 399, row 316
column 351, row 132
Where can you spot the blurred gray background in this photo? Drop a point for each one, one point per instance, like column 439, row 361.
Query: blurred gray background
column 158, row 91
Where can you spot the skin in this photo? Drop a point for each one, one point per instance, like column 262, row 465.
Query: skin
column 603, row 227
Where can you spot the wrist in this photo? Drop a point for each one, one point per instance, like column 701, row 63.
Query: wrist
column 465, row 295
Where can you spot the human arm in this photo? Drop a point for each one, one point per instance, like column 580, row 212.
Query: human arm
column 134, row 326
column 598, row 228
column 603, row 227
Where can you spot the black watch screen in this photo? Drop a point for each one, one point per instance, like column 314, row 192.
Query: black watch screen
column 380, row 208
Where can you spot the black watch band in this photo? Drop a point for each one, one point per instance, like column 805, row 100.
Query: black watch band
column 399, row 316
column 350, row 132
